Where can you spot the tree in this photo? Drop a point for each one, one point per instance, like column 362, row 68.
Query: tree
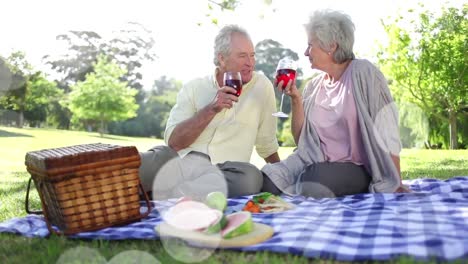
column 153, row 112
column 29, row 92
column 163, row 85
column 102, row 96
column 428, row 65
column 15, row 97
column 42, row 94
column 268, row 52
column 6, row 76
column 129, row 48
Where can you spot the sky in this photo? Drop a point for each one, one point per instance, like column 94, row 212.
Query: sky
column 184, row 48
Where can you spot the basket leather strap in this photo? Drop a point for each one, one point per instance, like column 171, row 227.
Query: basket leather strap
column 27, row 200
column 148, row 204
column 49, row 226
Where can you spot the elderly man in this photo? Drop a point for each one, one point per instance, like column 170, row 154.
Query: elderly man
column 211, row 125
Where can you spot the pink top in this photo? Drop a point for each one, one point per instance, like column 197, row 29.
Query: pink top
column 335, row 119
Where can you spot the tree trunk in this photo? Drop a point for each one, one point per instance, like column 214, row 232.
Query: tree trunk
column 453, row 130
column 101, row 130
column 20, row 119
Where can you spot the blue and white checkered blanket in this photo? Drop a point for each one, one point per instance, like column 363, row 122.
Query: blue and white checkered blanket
column 430, row 223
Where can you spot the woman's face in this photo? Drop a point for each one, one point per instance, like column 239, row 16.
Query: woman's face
column 319, row 58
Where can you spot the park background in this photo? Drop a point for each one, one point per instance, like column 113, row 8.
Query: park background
column 135, row 55
column 75, row 72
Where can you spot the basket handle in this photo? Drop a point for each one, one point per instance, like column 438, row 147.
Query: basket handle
column 27, row 200
column 148, row 204
column 49, row 226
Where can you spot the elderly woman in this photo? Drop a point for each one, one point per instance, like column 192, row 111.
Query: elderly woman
column 345, row 123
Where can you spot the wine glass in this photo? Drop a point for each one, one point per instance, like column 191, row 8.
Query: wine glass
column 234, row 80
column 285, row 71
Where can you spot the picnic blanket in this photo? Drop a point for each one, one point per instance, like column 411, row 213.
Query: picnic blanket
column 430, row 223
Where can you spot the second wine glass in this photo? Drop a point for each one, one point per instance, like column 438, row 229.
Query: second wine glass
column 286, row 71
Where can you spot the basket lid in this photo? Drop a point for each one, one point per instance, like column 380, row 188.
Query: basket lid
column 46, row 159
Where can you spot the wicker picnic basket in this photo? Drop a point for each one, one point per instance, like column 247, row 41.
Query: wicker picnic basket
column 86, row 187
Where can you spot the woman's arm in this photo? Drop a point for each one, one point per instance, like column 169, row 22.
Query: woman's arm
column 396, row 161
column 297, row 117
column 297, row 109
column 402, row 188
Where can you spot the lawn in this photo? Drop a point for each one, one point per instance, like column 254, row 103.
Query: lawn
column 441, row 164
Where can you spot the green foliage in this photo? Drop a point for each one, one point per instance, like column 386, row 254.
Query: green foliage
column 159, row 107
column 41, row 94
column 414, row 125
column 153, row 112
column 426, row 60
column 129, row 47
column 286, row 138
column 102, row 96
column 268, row 53
column 163, row 85
column 60, row 115
column 20, row 70
column 222, row 6
column 284, row 133
column 29, row 93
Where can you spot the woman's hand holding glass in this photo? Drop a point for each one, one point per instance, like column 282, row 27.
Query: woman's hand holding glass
column 285, row 79
column 289, row 89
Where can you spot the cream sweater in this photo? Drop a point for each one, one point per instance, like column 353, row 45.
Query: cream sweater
column 229, row 136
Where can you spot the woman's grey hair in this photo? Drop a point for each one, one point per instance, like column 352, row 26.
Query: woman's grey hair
column 329, row 27
column 223, row 40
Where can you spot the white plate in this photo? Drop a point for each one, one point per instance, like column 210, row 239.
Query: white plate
column 260, row 233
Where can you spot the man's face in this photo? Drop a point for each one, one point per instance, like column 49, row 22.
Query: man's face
column 241, row 58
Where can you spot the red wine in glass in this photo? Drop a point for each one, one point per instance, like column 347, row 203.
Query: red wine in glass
column 285, row 71
column 236, row 84
column 234, row 80
column 285, row 75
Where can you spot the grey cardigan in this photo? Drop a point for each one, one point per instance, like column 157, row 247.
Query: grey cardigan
column 378, row 122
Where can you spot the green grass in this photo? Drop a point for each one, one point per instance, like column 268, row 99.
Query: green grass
column 15, row 143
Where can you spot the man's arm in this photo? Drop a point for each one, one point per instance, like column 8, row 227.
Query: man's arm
column 186, row 132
